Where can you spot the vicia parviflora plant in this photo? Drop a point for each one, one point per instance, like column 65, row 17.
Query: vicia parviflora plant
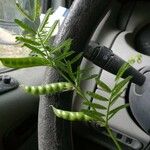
column 39, row 41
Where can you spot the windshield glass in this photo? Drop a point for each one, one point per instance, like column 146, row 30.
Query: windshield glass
column 9, row 30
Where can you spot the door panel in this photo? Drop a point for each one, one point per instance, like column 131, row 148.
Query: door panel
column 19, row 110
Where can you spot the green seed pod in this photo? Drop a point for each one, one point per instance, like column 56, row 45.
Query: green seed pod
column 34, row 90
column 24, row 62
column 71, row 116
column 48, row 88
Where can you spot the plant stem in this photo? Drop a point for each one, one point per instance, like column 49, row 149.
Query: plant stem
column 113, row 138
column 77, row 89
column 108, row 128
column 81, row 93
column 43, row 45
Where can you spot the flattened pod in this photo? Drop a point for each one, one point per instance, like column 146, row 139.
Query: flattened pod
column 24, row 62
column 48, row 88
column 71, row 116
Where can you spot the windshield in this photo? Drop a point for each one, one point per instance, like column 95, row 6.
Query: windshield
column 9, row 30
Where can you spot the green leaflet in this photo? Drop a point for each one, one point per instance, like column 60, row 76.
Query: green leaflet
column 116, row 97
column 121, row 71
column 62, row 66
column 86, row 70
column 88, row 77
column 64, row 46
column 97, row 96
column 45, row 20
column 82, row 74
column 48, row 88
column 25, row 26
column 62, row 52
column 93, row 112
column 50, row 32
column 94, row 105
column 133, row 59
column 78, row 76
column 28, row 41
column 139, row 58
column 97, row 116
column 35, row 49
column 114, row 111
column 119, row 86
column 23, row 12
column 24, row 62
column 103, row 85
column 71, row 116
column 37, row 9
column 76, row 58
column 70, row 71
column 62, row 56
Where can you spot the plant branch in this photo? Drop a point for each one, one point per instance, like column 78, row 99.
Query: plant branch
column 113, row 138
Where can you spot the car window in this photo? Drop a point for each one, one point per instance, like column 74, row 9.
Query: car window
column 9, row 30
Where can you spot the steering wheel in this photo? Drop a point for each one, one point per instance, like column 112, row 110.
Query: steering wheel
column 81, row 22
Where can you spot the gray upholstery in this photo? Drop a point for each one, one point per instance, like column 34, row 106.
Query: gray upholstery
column 53, row 133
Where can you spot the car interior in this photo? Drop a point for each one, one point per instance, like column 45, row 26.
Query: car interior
column 28, row 123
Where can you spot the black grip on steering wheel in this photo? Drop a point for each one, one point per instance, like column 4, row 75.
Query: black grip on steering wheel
column 81, row 22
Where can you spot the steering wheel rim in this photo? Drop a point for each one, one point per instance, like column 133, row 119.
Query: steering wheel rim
column 81, row 22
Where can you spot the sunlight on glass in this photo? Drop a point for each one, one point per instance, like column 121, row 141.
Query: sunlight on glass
column 9, row 47
column 9, row 30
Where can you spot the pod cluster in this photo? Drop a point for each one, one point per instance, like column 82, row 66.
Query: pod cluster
column 49, row 88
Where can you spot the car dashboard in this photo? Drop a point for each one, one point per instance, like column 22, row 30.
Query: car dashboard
column 117, row 31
